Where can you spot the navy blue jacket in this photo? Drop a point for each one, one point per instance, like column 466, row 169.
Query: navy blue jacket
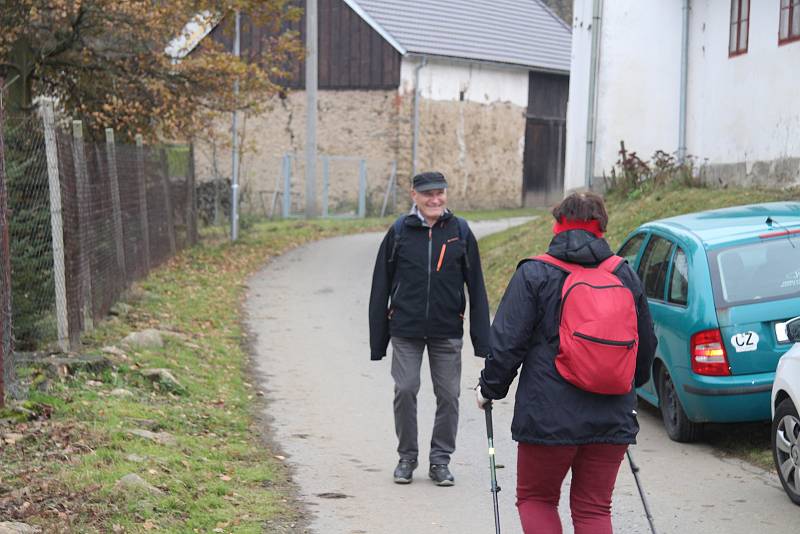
column 418, row 286
column 549, row 410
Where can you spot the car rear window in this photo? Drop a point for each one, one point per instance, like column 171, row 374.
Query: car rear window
column 767, row 270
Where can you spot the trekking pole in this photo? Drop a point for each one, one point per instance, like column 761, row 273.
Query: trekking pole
column 492, row 468
column 635, row 471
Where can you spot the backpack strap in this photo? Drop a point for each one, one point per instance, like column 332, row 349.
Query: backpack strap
column 611, row 263
column 397, row 227
column 463, row 228
column 555, row 262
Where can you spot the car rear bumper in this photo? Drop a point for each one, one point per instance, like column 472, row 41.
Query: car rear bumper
column 728, row 399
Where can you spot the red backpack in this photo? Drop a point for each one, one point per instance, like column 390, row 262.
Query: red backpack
column 598, row 328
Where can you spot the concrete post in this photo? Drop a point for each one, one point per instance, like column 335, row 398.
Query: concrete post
column 56, row 223
column 362, row 188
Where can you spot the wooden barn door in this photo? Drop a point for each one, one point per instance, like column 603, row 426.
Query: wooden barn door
column 545, row 139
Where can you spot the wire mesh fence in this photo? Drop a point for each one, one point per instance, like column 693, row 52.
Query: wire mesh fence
column 82, row 220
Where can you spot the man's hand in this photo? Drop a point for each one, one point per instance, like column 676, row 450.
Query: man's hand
column 482, row 401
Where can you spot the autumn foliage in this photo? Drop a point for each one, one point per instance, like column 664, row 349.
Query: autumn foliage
column 105, row 60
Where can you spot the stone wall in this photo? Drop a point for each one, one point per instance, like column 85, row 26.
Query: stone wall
column 358, row 124
column 478, row 147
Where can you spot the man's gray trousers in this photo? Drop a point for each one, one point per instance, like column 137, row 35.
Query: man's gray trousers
column 444, row 356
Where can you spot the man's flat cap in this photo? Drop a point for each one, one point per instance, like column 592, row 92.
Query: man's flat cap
column 429, row 180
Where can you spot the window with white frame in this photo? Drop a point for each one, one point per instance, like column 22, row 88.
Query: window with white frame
column 740, row 27
column 789, row 29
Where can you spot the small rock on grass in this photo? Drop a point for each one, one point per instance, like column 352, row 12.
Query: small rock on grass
column 162, row 438
column 134, row 481
column 121, row 392
column 10, row 527
column 164, row 378
column 146, row 339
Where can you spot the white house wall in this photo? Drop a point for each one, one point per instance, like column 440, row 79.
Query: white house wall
column 743, row 117
column 744, row 112
column 638, row 83
column 477, row 141
column 482, row 83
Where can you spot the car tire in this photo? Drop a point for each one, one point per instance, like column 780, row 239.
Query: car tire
column 678, row 425
column 786, row 448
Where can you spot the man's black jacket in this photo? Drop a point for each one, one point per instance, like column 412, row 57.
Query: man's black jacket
column 549, row 410
column 418, row 286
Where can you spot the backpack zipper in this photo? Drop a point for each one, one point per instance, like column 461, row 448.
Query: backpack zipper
column 628, row 344
column 564, row 300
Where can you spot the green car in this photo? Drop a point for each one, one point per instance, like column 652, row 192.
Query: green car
column 721, row 286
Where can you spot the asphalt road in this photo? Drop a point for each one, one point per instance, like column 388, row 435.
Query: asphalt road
column 331, row 412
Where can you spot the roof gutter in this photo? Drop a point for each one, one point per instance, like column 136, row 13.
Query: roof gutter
column 591, row 116
column 684, row 83
column 487, row 62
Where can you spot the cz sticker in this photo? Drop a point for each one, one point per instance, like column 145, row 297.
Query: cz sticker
column 745, row 341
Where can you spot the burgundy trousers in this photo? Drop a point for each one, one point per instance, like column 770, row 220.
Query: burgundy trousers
column 540, row 472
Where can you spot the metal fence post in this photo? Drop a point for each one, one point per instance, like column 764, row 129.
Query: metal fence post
column 325, row 184
column 111, row 157
column 389, row 188
column 144, row 221
column 6, row 347
column 56, row 223
column 82, row 179
column 362, row 188
column 168, row 201
column 287, row 186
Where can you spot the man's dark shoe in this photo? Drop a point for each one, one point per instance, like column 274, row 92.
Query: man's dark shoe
column 441, row 475
column 404, row 471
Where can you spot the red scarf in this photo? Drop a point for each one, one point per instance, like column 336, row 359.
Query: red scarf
column 591, row 226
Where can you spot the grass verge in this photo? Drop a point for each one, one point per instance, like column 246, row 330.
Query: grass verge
column 204, row 464
column 501, row 252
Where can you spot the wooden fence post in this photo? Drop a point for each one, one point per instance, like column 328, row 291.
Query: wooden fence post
column 144, row 221
column 168, row 201
column 191, row 200
column 111, row 157
column 84, row 202
column 56, row 223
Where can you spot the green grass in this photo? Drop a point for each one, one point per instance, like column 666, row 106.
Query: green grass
column 501, row 252
column 489, row 215
column 219, row 475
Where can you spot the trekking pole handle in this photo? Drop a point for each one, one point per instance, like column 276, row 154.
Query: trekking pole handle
column 487, row 408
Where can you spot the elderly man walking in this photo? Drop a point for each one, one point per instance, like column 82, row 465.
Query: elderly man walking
column 418, row 301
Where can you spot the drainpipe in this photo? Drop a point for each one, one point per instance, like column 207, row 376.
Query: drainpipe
column 415, row 140
column 684, row 84
column 591, row 117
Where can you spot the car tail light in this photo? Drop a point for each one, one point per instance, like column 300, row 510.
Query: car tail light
column 708, row 354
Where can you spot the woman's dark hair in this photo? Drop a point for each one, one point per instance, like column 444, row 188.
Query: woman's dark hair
column 582, row 207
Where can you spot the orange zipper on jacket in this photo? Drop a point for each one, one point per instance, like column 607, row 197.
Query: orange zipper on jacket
column 441, row 257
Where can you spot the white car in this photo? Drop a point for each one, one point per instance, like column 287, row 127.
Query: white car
column 785, row 421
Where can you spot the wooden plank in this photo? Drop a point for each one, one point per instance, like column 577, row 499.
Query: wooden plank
column 388, row 63
column 341, row 59
column 363, row 55
column 355, row 49
column 324, row 15
column 375, row 56
column 336, row 42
